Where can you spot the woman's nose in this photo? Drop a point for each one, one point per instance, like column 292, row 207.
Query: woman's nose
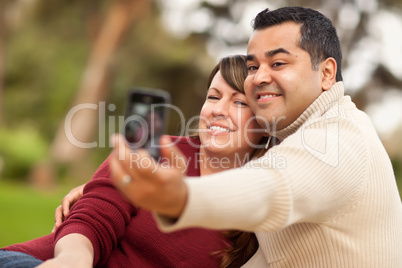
column 221, row 108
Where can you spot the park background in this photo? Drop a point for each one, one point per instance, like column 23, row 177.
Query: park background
column 57, row 54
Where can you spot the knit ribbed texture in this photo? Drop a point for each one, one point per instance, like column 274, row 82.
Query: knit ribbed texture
column 326, row 196
column 123, row 236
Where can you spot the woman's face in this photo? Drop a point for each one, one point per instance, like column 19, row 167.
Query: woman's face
column 227, row 125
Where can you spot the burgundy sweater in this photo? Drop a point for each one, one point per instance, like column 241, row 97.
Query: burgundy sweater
column 125, row 236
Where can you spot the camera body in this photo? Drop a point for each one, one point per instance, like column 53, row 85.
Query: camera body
column 145, row 118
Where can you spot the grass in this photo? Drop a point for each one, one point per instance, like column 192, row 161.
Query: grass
column 26, row 213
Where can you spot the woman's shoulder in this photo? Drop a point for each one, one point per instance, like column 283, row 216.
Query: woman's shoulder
column 184, row 140
column 190, row 148
column 187, row 145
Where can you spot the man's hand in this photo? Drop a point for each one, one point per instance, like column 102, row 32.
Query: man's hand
column 68, row 201
column 153, row 186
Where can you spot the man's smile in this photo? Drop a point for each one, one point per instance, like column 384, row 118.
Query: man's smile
column 265, row 97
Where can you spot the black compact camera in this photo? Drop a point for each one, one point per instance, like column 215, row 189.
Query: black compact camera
column 146, row 118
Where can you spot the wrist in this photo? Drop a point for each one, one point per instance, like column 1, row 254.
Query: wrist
column 75, row 259
column 75, row 250
column 174, row 209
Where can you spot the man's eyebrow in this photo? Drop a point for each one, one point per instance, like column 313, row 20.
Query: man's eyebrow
column 272, row 53
column 250, row 57
column 269, row 54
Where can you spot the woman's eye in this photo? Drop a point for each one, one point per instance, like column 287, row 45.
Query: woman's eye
column 212, row 98
column 241, row 103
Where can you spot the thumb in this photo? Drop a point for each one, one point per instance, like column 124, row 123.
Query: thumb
column 171, row 153
column 120, row 148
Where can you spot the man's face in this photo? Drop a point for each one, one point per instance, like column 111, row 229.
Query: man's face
column 281, row 83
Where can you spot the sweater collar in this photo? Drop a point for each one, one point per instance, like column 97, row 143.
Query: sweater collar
column 320, row 105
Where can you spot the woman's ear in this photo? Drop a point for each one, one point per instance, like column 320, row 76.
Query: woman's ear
column 328, row 73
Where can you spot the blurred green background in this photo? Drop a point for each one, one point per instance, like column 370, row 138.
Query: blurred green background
column 57, row 54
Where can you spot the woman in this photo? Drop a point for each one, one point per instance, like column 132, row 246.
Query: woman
column 103, row 229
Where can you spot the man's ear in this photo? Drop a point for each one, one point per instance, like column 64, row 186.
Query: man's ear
column 328, row 69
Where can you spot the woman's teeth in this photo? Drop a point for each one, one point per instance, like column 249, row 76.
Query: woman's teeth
column 216, row 128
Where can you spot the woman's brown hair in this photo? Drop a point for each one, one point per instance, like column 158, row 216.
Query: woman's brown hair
column 242, row 245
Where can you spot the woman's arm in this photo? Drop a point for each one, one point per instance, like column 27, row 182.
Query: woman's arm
column 101, row 215
column 73, row 250
column 68, row 201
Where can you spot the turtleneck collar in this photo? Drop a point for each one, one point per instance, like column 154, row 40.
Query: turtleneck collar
column 321, row 104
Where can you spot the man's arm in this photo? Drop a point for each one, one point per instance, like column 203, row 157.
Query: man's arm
column 289, row 184
column 152, row 186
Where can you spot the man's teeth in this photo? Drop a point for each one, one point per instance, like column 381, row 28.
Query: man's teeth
column 216, row 128
column 268, row 96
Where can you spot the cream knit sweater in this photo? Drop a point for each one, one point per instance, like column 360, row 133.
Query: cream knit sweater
column 326, row 196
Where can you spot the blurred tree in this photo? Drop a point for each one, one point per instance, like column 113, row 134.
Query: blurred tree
column 52, row 44
column 2, row 29
column 3, row 5
column 351, row 19
column 391, row 3
column 366, row 28
column 94, row 85
column 47, row 48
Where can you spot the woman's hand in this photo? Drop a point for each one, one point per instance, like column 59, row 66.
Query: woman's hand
column 148, row 184
column 68, row 201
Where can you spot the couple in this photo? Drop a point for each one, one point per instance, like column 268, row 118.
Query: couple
column 334, row 204
column 104, row 230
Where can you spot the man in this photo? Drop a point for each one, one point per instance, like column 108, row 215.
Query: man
column 332, row 200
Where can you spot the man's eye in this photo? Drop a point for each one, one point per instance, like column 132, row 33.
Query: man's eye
column 278, row 64
column 213, row 98
column 252, row 68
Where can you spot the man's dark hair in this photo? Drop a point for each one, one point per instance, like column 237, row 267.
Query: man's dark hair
column 318, row 34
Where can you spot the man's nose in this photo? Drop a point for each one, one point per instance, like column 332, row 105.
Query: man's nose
column 262, row 76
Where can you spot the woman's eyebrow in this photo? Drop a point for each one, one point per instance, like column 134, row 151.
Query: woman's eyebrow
column 237, row 93
column 214, row 88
